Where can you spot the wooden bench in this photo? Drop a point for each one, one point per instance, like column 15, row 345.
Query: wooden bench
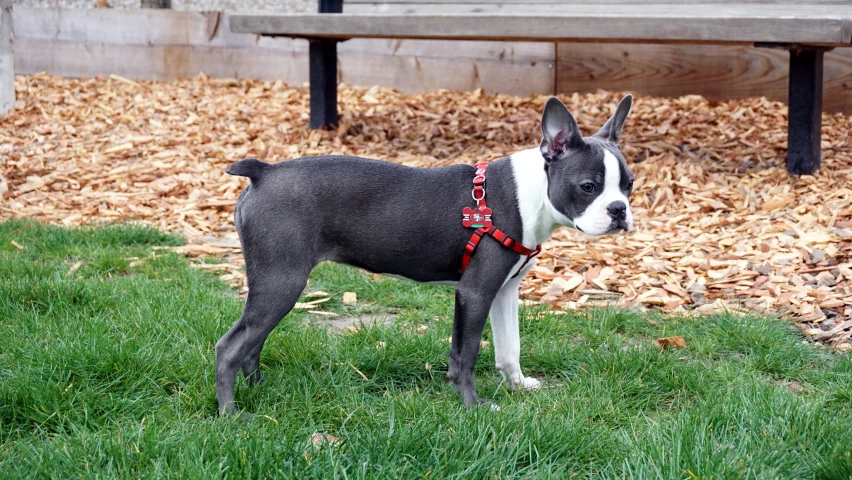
column 807, row 28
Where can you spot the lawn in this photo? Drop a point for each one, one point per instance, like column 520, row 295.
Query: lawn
column 106, row 370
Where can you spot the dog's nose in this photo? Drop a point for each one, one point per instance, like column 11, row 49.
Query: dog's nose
column 617, row 210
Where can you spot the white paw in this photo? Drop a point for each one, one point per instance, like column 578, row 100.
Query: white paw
column 494, row 408
column 531, row 384
column 528, row 383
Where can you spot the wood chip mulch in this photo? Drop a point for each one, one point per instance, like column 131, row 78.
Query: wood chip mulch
column 720, row 225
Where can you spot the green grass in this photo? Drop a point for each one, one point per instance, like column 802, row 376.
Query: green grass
column 108, row 373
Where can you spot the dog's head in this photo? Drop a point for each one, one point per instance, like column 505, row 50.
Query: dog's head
column 588, row 183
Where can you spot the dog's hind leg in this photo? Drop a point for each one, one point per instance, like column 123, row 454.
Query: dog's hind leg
column 251, row 366
column 270, row 298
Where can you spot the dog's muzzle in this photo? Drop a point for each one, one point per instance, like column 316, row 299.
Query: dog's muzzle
column 618, row 213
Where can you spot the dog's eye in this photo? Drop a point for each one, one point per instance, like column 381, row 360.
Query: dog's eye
column 588, row 187
column 630, row 185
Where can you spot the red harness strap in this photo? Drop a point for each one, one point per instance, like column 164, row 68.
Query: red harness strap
column 487, row 229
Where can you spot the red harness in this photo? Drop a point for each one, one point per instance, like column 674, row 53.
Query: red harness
column 480, row 219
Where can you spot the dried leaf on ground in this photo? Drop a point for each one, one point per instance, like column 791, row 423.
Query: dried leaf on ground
column 74, row 268
column 310, row 305
column 319, row 440
column 671, row 342
column 350, row 298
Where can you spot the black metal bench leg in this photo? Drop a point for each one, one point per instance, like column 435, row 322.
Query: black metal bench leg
column 805, row 110
column 323, row 72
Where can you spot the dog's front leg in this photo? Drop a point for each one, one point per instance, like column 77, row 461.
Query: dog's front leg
column 472, row 305
column 474, row 294
column 507, row 339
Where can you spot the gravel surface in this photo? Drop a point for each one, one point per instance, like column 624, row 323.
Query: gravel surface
column 187, row 5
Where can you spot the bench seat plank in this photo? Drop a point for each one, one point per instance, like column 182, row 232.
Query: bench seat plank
column 706, row 9
column 747, row 26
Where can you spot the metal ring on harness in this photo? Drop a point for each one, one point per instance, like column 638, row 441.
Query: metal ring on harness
column 473, row 194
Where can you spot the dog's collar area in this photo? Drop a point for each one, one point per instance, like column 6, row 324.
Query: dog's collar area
column 480, row 219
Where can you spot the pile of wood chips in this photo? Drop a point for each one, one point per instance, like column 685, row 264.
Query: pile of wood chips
column 720, row 225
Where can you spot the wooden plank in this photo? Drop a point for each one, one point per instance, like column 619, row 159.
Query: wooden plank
column 413, row 74
column 366, row 62
column 210, row 29
column 158, row 62
column 114, row 25
column 716, row 72
column 136, row 27
column 7, row 70
column 564, row 27
column 515, row 52
column 711, row 10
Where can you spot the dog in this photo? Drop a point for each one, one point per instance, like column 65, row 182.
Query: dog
column 405, row 222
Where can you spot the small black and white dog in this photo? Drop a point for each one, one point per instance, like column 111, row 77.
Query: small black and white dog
column 406, row 222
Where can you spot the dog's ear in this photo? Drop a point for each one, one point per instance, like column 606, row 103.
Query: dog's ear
column 559, row 130
column 612, row 128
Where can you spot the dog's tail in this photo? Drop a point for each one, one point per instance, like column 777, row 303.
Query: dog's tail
column 249, row 167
